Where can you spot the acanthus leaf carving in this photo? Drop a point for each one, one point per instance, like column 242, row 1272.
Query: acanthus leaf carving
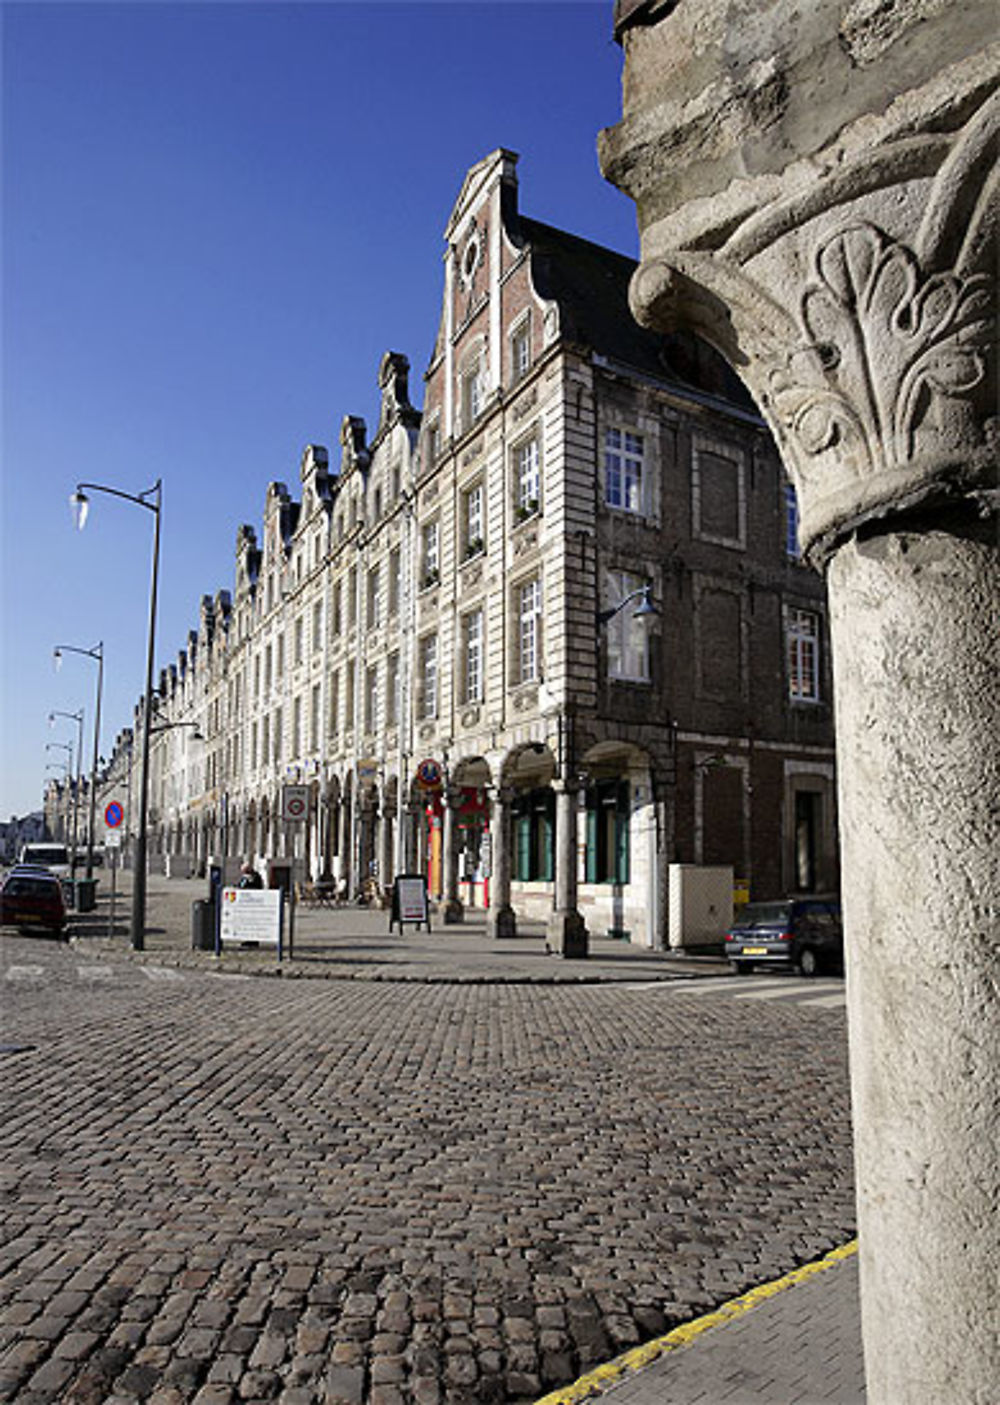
column 880, row 340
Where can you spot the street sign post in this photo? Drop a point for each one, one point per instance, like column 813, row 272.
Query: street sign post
column 294, row 802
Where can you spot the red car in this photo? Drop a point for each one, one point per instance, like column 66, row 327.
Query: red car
column 32, row 898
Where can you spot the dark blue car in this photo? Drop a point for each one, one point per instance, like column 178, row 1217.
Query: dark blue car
column 801, row 934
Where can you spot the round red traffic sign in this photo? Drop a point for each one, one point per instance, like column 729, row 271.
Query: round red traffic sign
column 113, row 815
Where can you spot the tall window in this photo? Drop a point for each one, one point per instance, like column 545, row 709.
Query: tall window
column 352, row 597
column 472, row 526
column 472, row 390
column 623, row 454
column 395, row 570
column 280, row 666
column 314, row 719
column 373, row 597
column 337, row 598
column 297, row 727
column 429, row 562
column 371, row 698
column 803, row 656
column 392, row 690
column 300, row 631
column 526, row 481
column 607, row 832
column 317, row 626
column 349, row 694
column 520, row 349
column 472, row 648
column 792, row 549
column 334, row 702
column 267, row 669
column 428, row 676
column 433, row 444
column 628, row 637
column 534, row 827
column 276, row 740
column 254, row 734
column 529, row 613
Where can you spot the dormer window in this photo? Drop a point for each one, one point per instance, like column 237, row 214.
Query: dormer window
column 473, row 389
column 520, row 349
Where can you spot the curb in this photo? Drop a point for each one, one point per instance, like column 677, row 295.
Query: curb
column 631, row 1362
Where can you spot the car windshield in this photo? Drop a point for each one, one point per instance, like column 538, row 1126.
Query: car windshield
column 42, row 854
column 30, row 888
column 765, row 915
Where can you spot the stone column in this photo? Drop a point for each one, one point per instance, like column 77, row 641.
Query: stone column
column 500, row 917
column 386, row 850
column 845, row 263
column 453, row 910
column 566, row 932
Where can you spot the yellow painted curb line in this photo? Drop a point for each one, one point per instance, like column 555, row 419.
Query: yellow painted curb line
column 596, row 1381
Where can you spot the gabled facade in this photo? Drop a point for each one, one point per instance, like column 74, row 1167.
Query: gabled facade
column 440, row 637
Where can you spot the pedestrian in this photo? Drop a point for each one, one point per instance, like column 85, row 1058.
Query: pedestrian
column 249, row 877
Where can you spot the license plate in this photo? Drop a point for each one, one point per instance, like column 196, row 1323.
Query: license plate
column 755, row 951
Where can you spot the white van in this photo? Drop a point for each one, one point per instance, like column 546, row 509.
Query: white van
column 54, row 857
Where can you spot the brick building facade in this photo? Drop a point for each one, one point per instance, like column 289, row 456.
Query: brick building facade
column 428, row 636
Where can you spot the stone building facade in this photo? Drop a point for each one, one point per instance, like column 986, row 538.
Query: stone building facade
column 427, row 636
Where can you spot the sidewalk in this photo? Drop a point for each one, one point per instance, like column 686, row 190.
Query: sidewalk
column 346, row 943
column 793, row 1342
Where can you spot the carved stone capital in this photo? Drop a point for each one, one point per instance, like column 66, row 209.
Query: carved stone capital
column 860, row 309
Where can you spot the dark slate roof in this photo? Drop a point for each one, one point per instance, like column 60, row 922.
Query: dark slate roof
column 590, row 284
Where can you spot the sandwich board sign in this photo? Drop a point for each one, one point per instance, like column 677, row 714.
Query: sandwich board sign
column 409, row 901
column 251, row 915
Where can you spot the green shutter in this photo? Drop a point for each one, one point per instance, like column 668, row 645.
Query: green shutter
column 522, row 848
column 547, row 819
column 621, row 833
column 591, row 851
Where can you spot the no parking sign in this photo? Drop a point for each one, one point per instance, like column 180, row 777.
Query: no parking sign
column 294, row 802
column 113, row 815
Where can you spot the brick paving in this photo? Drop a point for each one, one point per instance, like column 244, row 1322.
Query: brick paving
column 221, row 1189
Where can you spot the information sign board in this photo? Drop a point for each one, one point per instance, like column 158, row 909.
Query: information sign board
column 251, row 915
column 409, row 901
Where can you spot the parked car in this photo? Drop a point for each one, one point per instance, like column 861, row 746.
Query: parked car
column 54, row 857
column 30, row 898
column 805, row 934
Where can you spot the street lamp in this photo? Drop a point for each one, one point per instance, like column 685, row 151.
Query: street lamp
column 68, row 747
column 642, row 611
column 152, row 500
column 76, row 717
column 98, row 654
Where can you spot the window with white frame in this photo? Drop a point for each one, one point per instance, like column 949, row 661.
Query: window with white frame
column 473, row 388
column 300, row 631
column 803, row 655
column 627, row 634
column 352, row 597
column 432, row 443
column 392, row 690
column 334, row 702
column 472, row 651
column 430, row 568
column 349, row 694
column 792, row 549
column 276, row 740
column 371, row 698
column 529, row 619
column 317, row 630
column 473, row 530
column 520, row 349
column 296, row 727
column 526, row 478
column 623, row 469
column 373, row 597
column 428, row 698
column 280, row 665
column 395, row 576
column 314, row 719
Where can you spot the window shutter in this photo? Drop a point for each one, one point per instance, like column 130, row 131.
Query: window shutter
column 621, row 833
column 591, row 851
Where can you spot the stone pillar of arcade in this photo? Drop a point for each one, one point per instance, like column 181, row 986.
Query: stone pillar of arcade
column 816, row 188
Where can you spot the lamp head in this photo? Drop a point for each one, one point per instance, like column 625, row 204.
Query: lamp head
column 57, row 657
column 646, row 606
column 80, row 504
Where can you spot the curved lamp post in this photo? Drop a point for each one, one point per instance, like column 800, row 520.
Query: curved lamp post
column 67, row 747
column 642, row 611
column 151, row 499
column 76, row 717
column 98, row 654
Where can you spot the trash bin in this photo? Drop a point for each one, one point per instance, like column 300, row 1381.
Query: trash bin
column 202, row 925
column 86, row 894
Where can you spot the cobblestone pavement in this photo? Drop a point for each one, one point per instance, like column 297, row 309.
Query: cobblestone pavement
column 219, row 1188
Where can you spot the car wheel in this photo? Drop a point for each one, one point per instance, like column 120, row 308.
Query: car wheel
column 741, row 968
column 808, row 962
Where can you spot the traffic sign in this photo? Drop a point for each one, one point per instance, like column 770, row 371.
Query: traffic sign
column 113, row 815
column 294, row 802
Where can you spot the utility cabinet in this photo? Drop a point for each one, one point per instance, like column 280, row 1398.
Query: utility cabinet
column 700, row 904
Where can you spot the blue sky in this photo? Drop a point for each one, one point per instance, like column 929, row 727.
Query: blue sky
column 216, row 218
